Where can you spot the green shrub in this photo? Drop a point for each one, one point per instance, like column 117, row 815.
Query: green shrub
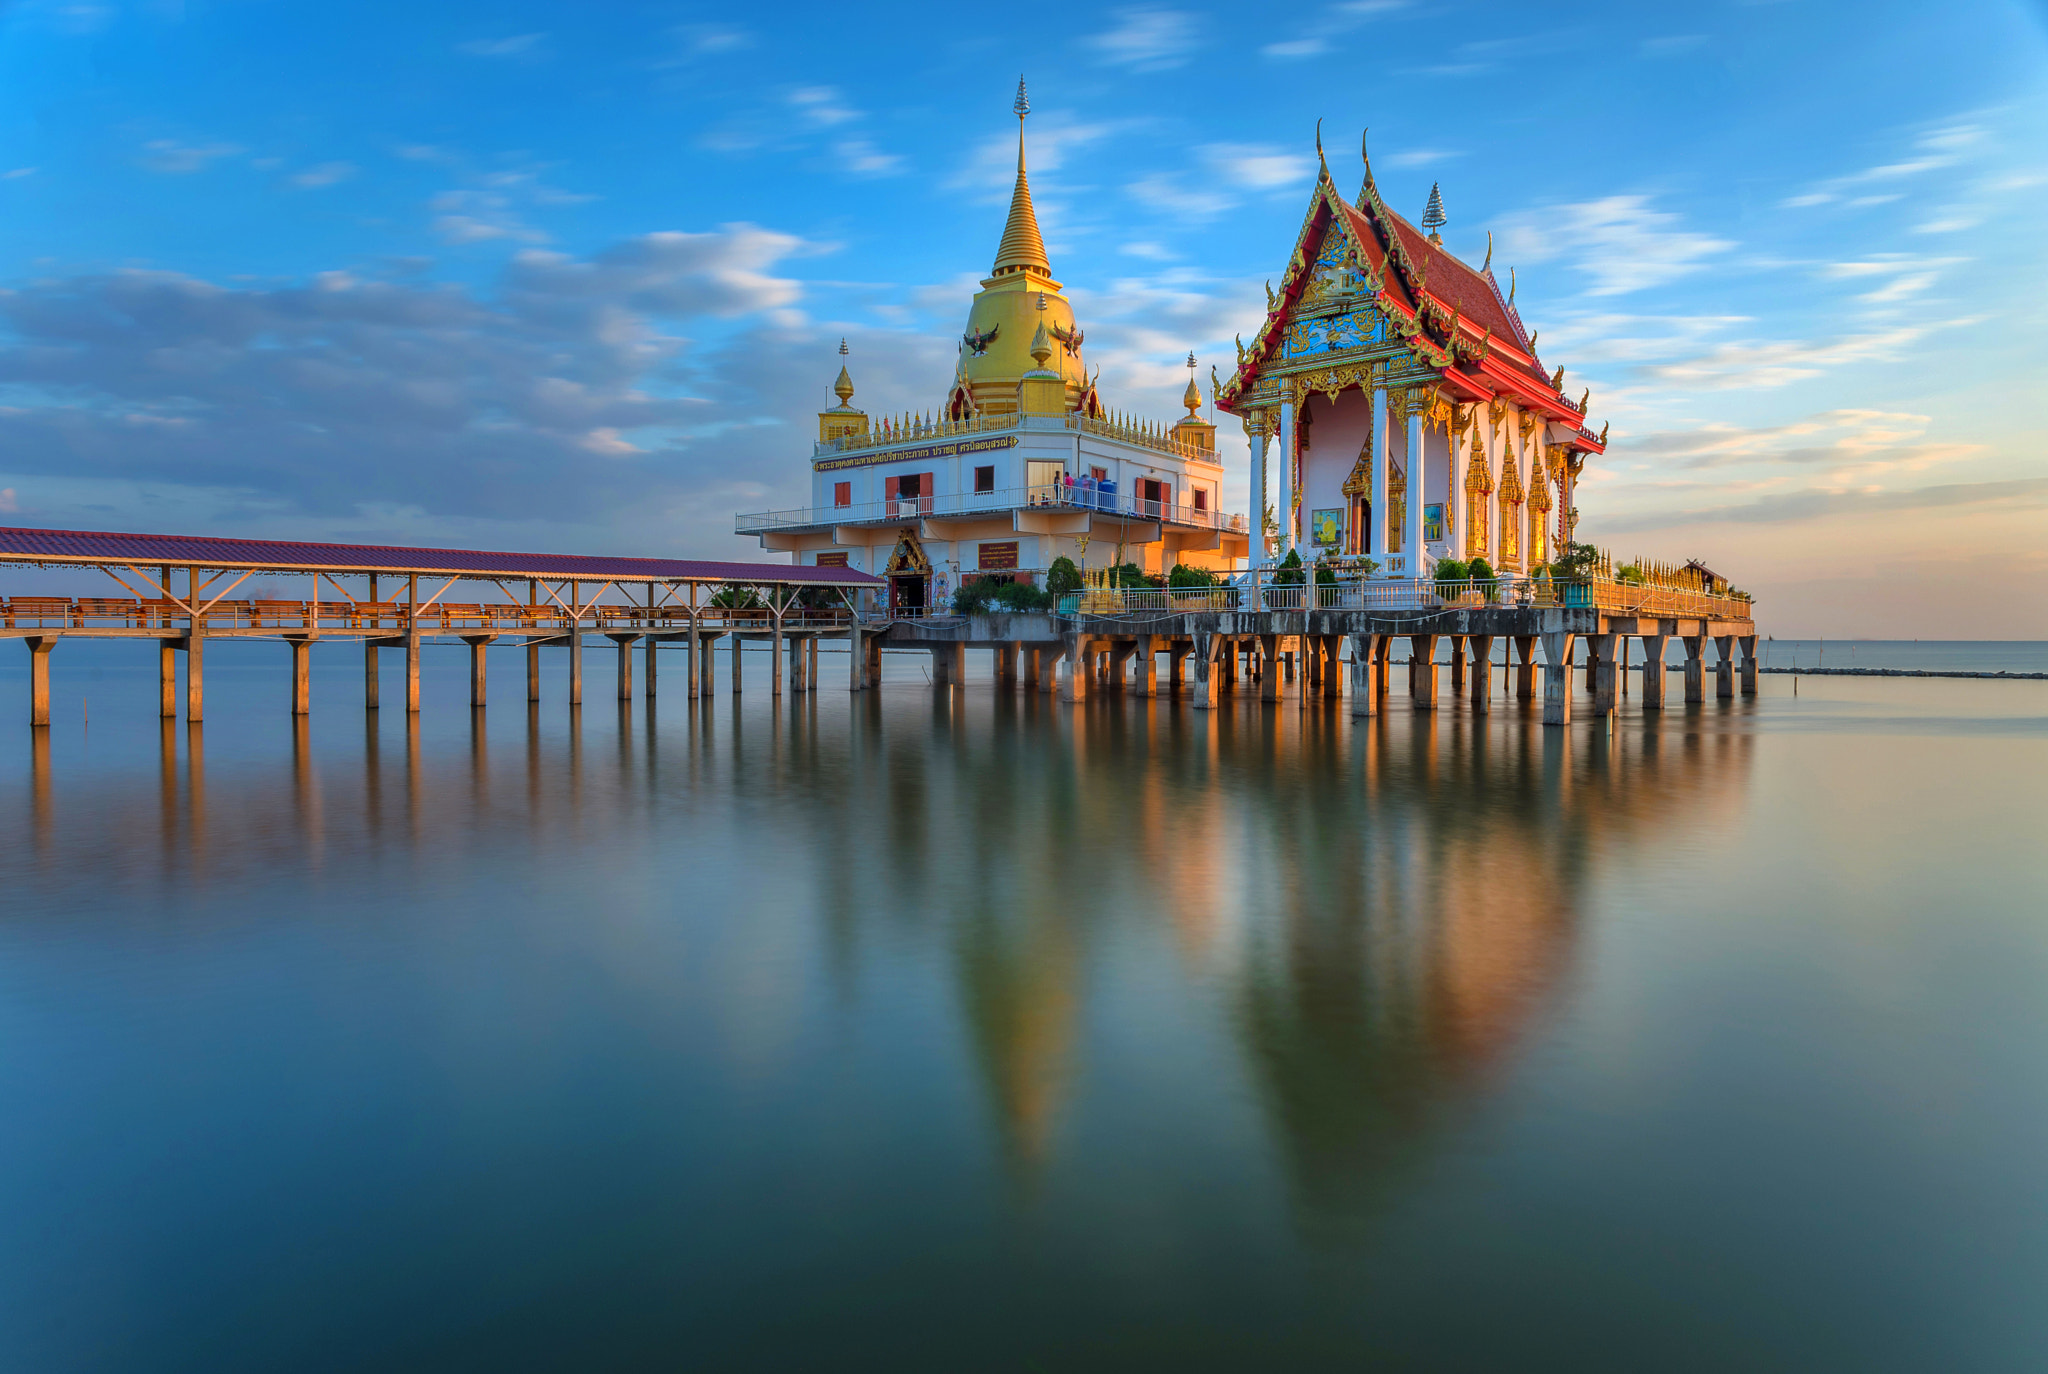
column 1130, row 575
column 1450, row 577
column 1021, row 596
column 1181, row 575
column 1289, row 573
column 1630, row 574
column 1062, row 577
column 1576, row 563
column 1326, row 576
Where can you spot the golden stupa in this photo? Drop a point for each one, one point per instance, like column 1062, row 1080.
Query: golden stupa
column 1019, row 311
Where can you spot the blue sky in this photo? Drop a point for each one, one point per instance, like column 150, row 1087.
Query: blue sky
column 574, row 277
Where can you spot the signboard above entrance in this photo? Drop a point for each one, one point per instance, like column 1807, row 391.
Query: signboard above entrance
column 900, row 455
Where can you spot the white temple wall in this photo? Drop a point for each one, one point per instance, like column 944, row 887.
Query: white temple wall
column 1339, row 430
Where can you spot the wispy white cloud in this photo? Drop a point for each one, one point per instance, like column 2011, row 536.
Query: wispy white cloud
column 1671, row 45
column 1619, row 241
column 17, row 173
column 822, row 106
column 1318, row 36
column 170, row 156
column 326, row 174
column 1422, row 157
column 1147, row 40
column 518, row 45
column 1774, row 363
column 1257, row 166
column 862, row 158
column 11, row 505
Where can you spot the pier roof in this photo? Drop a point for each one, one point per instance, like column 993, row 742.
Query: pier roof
column 271, row 555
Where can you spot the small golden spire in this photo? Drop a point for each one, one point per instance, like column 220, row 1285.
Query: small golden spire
column 1022, row 246
column 1192, row 397
column 843, row 388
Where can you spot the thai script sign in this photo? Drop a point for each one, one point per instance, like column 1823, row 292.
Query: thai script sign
column 907, row 455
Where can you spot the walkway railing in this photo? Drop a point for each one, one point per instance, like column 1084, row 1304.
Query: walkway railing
column 1384, row 593
column 1050, row 496
column 44, row 612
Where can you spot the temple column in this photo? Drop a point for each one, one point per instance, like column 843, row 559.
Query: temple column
column 1557, row 680
column 1376, row 520
column 1418, row 491
column 1259, row 442
column 1283, row 509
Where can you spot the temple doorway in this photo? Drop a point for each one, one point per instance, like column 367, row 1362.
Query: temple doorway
column 910, row 575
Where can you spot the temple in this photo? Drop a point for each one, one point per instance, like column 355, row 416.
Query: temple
column 1022, row 463
column 1413, row 419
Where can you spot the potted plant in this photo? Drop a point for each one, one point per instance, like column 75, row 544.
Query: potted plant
column 1574, row 568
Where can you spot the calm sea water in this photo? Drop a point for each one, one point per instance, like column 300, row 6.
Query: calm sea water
column 983, row 1032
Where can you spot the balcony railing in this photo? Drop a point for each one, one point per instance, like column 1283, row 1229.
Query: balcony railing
column 391, row 617
column 1406, row 594
column 1050, row 496
column 910, row 429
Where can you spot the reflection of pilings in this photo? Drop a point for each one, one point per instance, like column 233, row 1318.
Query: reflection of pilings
column 39, row 781
column 306, row 791
column 195, row 794
column 167, row 788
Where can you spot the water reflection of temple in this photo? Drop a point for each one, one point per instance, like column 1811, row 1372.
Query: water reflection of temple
column 1394, row 901
column 1385, row 909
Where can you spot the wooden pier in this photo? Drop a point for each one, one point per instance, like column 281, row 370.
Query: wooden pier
column 177, row 589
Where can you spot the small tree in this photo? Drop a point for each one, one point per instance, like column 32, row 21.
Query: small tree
column 1062, row 577
column 1451, row 575
column 1289, row 573
column 1576, row 563
column 1484, row 578
column 1181, row 575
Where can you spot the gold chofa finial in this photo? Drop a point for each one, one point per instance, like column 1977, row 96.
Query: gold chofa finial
column 1324, row 167
column 1489, row 252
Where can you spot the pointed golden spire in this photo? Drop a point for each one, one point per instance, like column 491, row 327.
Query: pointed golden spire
column 1022, row 246
column 843, row 388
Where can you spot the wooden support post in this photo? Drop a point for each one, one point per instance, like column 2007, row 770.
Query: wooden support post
column 372, row 683
column 302, row 677
column 1695, row 670
column 625, row 643
column 576, row 661
column 1525, row 667
column 39, row 647
column 650, row 666
column 167, row 678
column 811, row 664
column 1422, row 671
column 533, row 646
column 872, row 673
column 1365, row 701
column 1748, row 665
column 1724, row 667
column 1600, row 667
column 736, row 651
column 479, row 679
column 1557, row 680
column 195, row 653
column 1653, row 671
column 856, row 658
column 1482, row 673
column 1457, row 664
column 776, row 668
column 707, row 663
column 1205, row 666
